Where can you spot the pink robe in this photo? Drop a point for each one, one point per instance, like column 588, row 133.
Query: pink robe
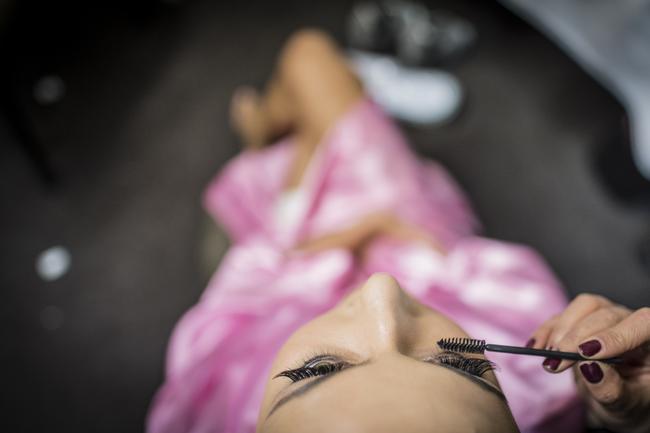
column 221, row 350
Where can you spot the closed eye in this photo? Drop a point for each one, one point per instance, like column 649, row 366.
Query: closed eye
column 320, row 378
column 323, row 365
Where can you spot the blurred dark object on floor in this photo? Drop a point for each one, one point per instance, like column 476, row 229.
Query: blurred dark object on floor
column 616, row 169
column 369, row 27
column 414, row 33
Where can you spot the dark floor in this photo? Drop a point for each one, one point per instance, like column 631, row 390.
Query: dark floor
column 144, row 126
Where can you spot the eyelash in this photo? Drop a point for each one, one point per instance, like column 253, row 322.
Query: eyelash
column 322, row 365
column 319, row 365
column 473, row 366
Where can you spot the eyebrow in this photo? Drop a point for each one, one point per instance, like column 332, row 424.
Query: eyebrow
column 319, row 380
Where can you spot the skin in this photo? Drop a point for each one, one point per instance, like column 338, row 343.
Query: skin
column 620, row 400
column 312, row 86
column 387, row 335
column 359, row 236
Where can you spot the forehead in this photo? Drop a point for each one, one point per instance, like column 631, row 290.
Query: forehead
column 387, row 396
column 342, row 327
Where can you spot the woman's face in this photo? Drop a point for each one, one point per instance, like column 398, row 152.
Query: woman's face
column 371, row 364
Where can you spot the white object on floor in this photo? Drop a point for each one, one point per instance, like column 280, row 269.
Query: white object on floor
column 420, row 96
column 53, row 263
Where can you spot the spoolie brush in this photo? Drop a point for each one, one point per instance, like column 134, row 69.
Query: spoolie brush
column 469, row 345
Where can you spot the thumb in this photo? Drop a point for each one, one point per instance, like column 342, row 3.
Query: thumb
column 627, row 335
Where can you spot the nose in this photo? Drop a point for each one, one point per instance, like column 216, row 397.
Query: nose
column 386, row 312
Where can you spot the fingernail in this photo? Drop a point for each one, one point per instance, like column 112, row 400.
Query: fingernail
column 592, row 372
column 530, row 342
column 552, row 363
column 590, row 348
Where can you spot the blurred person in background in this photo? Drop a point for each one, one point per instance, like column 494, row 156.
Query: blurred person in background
column 350, row 258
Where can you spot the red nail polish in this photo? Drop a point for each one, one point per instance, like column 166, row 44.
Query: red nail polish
column 590, row 348
column 530, row 342
column 552, row 363
column 592, row 372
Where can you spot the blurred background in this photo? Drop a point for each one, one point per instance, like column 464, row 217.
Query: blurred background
column 115, row 116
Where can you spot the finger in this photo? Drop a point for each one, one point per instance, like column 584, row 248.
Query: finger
column 595, row 322
column 582, row 306
column 540, row 336
column 627, row 335
column 603, row 384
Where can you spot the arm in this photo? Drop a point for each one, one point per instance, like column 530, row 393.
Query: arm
column 357, row 237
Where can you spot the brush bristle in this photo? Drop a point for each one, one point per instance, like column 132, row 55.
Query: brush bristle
column 467, row 345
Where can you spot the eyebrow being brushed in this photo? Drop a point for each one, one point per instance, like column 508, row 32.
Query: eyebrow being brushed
column 303, row 389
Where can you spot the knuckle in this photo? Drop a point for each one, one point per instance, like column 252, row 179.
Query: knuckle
column 556, row 337
column 543, row 335
column 583, row 297
column 560, row 333
column 610, row 316
column 548, row 325
column 644, row 315
column 614, row 339
column 569, row 340
column 613, row 399
column 610, row 397
column 552, row 321
column 588, row 299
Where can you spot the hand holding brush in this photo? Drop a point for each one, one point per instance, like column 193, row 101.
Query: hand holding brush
column 609, row 347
